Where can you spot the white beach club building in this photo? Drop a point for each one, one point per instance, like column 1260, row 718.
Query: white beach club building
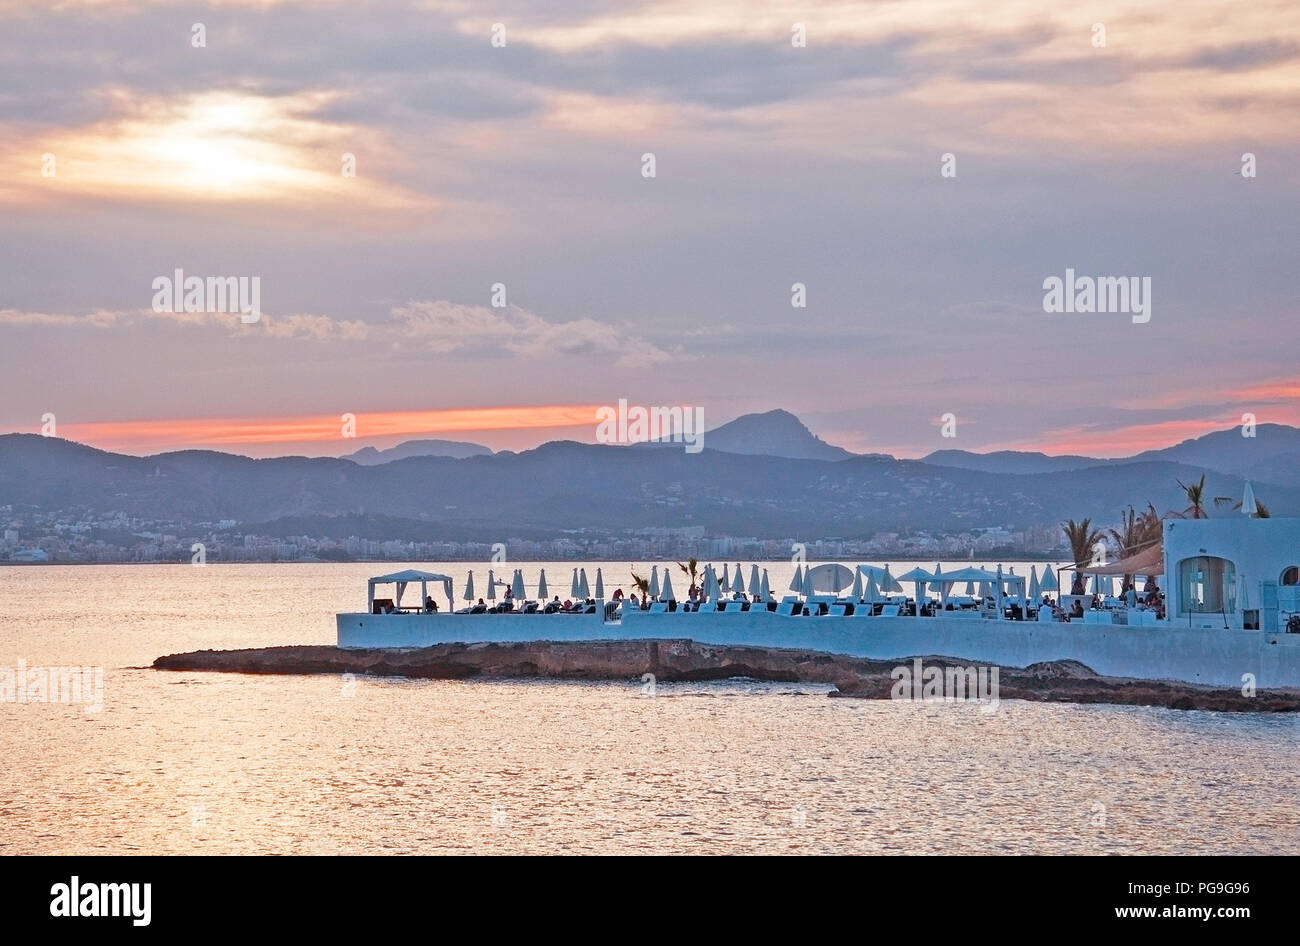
column 1240, row 572
column 1231, row 587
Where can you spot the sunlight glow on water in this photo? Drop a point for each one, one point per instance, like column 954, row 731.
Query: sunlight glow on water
column 227, row 763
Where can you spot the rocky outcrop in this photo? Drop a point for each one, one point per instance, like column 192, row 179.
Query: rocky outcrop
column 684, row 660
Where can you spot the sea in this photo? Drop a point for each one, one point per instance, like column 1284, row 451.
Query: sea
column 154, row 762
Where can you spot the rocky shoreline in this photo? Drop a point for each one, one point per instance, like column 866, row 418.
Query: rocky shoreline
column 685, row 660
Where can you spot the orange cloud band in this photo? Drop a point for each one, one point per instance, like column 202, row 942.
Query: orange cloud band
column 212, row 431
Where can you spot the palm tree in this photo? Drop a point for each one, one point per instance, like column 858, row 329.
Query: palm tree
column 1152, row 531
column 1125, row 537
column 1196, row 499
column 642, row 585
column 692, row 570
column 1261, row 511
column 1137, row 533
column 1082, row 537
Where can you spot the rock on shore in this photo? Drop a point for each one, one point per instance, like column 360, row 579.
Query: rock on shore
column 685, row 660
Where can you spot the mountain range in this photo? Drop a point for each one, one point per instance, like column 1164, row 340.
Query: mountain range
column 817, row 491
column 1271, row 456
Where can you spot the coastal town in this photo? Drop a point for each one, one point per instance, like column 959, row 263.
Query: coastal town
column 84, row 537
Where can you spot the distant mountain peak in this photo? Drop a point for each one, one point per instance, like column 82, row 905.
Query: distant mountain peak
column 456, row 449
column 775, row 433
column 1009, row 461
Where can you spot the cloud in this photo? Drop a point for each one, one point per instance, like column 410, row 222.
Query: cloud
column 441, row 326
column 294, row 326
column 227, row 146
column 99, row 319
column 450, row 326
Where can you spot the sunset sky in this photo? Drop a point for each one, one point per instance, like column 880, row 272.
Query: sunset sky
column 522, row 165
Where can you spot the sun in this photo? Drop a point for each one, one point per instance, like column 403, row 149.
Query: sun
column 215, row 145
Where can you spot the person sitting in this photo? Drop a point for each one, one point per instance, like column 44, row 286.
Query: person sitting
column 618, row 594
column 480, row 608
column 430, row 606
column 1077, row 610
column 567, row 606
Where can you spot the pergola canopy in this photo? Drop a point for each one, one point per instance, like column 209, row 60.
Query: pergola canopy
column 402, row 579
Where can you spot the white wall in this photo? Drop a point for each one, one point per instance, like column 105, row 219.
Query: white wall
column 1209, row 656
column 1259, row 548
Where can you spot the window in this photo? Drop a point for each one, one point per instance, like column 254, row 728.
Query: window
column 1291, row 576
column 1206, row 584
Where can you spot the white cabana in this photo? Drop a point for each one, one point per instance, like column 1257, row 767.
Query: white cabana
column 971, row 573
column 402, row 579
column 920, row 576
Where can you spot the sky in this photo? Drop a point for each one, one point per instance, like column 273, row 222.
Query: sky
column 516, row 174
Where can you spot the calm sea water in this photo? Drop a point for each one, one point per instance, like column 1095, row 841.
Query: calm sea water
column 230, row 764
